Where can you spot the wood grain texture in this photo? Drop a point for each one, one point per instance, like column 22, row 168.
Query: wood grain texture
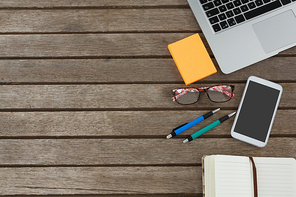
column 89, row 3
column 146, row 70
column 100, row 180
column 93, row 45
column 79, row 45
column 126, row 124
column 77, row 152
column 97, row 20
column 125, row 96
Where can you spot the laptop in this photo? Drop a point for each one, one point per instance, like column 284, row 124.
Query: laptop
column 243, row 32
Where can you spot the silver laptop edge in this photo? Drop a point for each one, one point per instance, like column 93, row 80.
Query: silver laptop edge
column 240, row 46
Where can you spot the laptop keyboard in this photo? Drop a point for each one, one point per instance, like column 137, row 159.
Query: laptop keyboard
column 223, row 14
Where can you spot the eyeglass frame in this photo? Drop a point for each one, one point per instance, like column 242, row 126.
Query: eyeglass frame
column 202, row 89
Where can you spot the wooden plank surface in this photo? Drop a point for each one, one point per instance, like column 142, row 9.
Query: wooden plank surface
column 85, row 100
column 100, row 180
column 76, row 152
column 160, row 70
column 115, row 96
column 92, row 45
column 126, row 124
column 87, row 45
column 89, row 3
column 102, row 20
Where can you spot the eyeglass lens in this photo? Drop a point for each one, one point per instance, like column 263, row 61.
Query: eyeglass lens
column 188, row 98
column 220, row 93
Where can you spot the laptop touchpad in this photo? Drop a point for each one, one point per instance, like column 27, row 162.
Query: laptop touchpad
column 277, row 31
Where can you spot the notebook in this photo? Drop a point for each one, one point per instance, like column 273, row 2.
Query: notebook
column 243, row 32
column 232, row 176
column 192, row 59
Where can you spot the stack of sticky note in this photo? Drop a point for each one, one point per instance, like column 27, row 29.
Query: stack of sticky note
column 192, row 59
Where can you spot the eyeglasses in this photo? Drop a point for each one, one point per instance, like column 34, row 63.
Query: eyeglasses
column 217, row 94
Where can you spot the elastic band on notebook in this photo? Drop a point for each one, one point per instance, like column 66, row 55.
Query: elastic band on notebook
column 254, row 177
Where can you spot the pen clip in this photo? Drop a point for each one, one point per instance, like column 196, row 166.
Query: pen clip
column 179, row 126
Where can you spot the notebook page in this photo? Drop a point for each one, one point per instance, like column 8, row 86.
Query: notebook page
column 233, row 176
column 276, row 177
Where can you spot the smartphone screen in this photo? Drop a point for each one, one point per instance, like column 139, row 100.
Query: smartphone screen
column 257, row 111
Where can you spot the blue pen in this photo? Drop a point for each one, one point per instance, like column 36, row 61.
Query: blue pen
column 186, row 126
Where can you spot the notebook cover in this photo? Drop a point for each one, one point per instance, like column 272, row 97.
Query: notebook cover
column 192, row 59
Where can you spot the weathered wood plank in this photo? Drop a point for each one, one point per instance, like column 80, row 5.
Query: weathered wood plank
column 130, row 71
column 79, row 45
column 97, row 20
column 132, row 151
column 92, row 45
column 125, row 96
column 89, row 3
column 123, row 123
column 90, row 71
column 100, row 180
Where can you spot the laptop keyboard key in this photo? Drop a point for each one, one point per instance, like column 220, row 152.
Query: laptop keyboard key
column 259, row 2
column 237, row 3
column 230, row 5
column 214, row 20
column 229, row 14
column 239, row 18
column 285, row 2
column 231, row 22
column 203, row 1
column 237, row 11
column 263, row 9
column 222, row 16
column 251, row 5
column 222, row 8
column 212, row 12
column 245, row 1
column 224, row 25
column 244, row 8
column 216, row 28
column 217, row 2
column 208, row 6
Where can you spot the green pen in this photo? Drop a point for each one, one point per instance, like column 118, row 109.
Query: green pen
column 207, row 128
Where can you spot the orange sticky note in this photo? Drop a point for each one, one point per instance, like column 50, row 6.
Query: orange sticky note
column 192, row 59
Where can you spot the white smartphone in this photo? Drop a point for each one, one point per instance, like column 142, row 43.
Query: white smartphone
column 256, row 111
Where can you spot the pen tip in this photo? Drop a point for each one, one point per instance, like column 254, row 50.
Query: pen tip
column 169, row 136
column 231, row 114
column 216, row 110
column 186, row 140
